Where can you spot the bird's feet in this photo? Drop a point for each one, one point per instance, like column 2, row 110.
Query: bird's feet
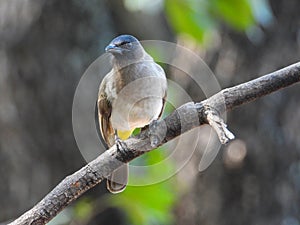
column 121, row 145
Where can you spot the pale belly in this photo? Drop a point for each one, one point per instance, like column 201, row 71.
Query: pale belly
column 138, row 103
column 127, row 116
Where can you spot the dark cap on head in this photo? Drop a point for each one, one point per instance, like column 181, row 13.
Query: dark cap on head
column 121, row 43
column 126, row 50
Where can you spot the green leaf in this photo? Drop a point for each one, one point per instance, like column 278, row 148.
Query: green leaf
column 198, row 18
column 236, row 13
column 151, row 204
column 189, row 17
column 83, row 209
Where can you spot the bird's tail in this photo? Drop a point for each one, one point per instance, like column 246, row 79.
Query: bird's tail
column 117, row 181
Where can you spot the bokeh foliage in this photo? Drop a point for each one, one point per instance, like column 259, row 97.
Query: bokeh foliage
column 199, row 18
column 150, row 204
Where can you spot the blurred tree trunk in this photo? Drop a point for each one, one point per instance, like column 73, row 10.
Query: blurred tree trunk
column 262, row 188
column 45, row 48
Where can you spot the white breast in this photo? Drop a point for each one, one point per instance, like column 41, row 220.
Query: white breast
column 138, row 103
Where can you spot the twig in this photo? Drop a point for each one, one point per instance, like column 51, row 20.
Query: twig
column 180, row 121
column 217, row 123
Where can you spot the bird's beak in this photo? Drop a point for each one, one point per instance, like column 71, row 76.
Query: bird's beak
column 113, row 49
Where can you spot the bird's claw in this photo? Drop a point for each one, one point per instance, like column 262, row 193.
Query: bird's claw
column 121, row 145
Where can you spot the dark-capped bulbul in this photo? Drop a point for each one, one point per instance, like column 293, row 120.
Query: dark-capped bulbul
column 131, row 95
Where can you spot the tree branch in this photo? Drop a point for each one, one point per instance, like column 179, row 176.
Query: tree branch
column 180, row 121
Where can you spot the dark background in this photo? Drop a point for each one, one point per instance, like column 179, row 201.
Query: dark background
column 45, row 47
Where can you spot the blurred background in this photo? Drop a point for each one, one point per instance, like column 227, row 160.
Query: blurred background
column 45, row 47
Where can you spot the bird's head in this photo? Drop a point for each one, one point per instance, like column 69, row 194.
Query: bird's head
column 125, row 47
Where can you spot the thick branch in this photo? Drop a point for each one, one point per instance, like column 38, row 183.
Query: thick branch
column 256, row 88
column 180, row 121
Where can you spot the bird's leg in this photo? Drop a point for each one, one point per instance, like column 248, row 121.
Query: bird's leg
column 145, row 128
column 121, row 146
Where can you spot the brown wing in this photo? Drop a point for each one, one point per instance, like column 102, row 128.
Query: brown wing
column 104, row 113
column 163, row 105
column 162, row 72
column 117, row 181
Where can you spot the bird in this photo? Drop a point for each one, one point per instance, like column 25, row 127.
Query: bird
column 132, row 95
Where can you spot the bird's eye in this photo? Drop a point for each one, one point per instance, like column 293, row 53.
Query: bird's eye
column 125, row 44
column 128, row 45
